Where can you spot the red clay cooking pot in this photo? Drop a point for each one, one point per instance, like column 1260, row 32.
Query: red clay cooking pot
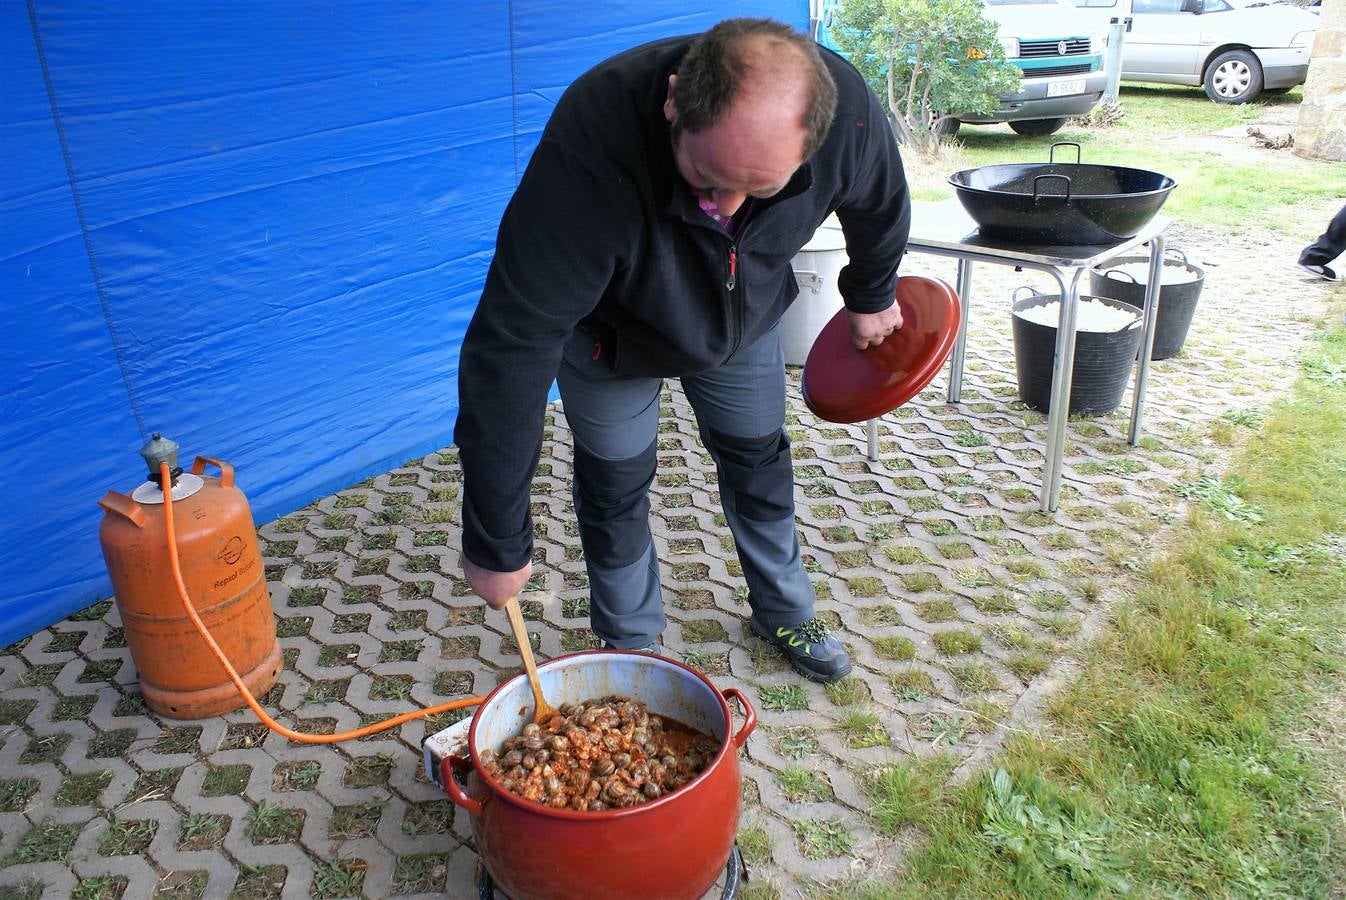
column 672, row 847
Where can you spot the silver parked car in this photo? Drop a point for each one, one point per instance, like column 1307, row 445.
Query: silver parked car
column 1236, row 49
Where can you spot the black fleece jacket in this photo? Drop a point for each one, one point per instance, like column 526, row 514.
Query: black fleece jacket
column 603, row 235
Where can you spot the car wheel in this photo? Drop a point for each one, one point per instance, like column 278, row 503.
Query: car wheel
column 1234, row 77
column 1037, row 127
column 947, row 128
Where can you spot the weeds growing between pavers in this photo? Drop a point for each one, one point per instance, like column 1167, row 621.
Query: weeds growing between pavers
column 1179, row 762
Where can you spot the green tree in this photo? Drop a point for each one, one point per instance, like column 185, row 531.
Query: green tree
column 928, row 59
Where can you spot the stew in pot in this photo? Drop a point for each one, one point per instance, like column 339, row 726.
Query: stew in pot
column 601, row 754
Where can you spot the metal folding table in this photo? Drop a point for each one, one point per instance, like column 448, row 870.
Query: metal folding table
column 945, row 229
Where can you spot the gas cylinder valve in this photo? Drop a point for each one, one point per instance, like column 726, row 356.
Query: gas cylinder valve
column 161, row 450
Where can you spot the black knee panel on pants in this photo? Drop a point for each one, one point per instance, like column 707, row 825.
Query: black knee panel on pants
column 612, row 504
column 758, row 471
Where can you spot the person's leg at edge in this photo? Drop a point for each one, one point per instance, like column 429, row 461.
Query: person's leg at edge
column 614, row 421
column 1330, row 244
column 740, row 409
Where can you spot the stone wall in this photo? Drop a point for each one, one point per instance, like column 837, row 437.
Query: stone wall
column 1322, row 116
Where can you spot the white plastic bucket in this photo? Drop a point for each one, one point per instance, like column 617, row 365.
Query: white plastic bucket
column 816, row 268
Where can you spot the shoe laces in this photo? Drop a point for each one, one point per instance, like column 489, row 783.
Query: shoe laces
column 813, row 631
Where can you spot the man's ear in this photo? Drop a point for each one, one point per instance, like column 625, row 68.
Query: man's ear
column 670, row 111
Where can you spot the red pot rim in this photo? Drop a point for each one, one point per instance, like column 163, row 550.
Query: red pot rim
column 499, row 792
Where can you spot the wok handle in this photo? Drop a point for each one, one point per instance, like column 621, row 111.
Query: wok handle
column 749, row 716
column 447, row 767
column 1079, row 153
column 1065, row 178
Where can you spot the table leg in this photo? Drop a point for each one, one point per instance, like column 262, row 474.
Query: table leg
column 1062, row 369
column 964, row 290
column 873, row 431
column 1152, row 301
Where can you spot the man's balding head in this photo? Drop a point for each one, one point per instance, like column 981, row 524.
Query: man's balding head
column 762, row 64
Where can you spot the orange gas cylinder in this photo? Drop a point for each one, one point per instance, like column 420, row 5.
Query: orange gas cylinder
column 222, row 568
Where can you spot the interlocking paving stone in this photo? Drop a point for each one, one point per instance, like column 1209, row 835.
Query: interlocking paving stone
column 958, row 599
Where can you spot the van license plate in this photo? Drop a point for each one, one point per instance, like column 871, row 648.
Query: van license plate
column 1065, row 88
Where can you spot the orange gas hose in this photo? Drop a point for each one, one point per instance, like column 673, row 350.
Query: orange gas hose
column 165, row 478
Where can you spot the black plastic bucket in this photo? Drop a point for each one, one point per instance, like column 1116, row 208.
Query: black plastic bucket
column 1103, row 359
column 1180, row 283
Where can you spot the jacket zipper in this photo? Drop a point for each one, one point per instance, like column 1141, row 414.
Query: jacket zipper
column 736, row 308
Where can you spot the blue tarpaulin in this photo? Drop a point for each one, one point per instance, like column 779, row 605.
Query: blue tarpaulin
column 259, row 228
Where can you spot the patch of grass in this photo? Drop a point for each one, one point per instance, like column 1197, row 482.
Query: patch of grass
column 795, row 743
column 48, row 842
column 1027, row 665
column 269, row 824
column 866, row 586
column 201, row 831
column 1182, row 762
column 127, row 838
column 823, row 838
column 920, row 582
column 16, row 792
column 937, row 611
column 259, row 883
column 784, row 697
column 226, row 781
column 956, row 640
column 82, row 788
column 755, row 844
column 912, row 684
column 995, row 604
column 354, row 821
column 429, row 817
column 420, row 873
column 338, row 878
column 975, row 677
column 905, row 556
column 1221, row 497
column 804, row 785
column 880, row 616
column 894, row 647
column 99, row 887
column 862, row 728
column 367, row 771
column 700, row 631
column 907, row 793
column 297, row 775
column 847, row 691
column 1026, row 568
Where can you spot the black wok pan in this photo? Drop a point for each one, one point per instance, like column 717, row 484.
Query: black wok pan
column 1061, row 204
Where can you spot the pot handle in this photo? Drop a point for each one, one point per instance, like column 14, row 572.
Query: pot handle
column 1108, row 273
column 1181, row 256
column 447, row 767
column 1079, row 153
column 1014, row 296
column 1037, row 196
column 749, row 715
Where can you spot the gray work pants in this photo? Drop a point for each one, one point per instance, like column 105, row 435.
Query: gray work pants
column 740, row 410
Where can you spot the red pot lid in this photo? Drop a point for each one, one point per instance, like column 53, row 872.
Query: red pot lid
column 843, row 384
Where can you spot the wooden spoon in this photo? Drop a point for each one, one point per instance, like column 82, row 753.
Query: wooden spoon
column 542, row 710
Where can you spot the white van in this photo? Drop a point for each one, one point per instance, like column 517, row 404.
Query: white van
column 1058, row 49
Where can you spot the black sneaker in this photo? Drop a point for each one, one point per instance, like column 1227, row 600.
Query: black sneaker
column 809, row 646
column 1326, row 273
